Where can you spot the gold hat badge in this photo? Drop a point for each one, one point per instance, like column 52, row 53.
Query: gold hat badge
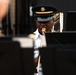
column 42, row 9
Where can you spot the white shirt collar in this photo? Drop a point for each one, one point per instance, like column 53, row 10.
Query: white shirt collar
column 37, row 34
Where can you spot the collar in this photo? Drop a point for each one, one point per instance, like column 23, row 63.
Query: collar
column 37, row 34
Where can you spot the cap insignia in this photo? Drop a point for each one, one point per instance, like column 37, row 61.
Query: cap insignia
column 42, row 9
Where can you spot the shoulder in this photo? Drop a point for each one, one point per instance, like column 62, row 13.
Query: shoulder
column 32, row 36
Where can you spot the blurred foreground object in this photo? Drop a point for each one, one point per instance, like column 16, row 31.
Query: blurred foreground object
column 4, row 6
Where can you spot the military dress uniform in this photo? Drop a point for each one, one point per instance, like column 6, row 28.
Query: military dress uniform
column 41, row 13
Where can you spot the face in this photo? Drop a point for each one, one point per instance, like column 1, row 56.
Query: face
column 47, row 26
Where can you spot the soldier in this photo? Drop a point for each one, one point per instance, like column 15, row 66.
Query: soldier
column 44, row 18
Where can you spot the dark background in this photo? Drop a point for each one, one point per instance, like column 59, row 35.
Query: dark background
column 62, row 6
column 24, row 24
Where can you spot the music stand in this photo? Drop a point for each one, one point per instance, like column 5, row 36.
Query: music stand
column 65, row 37
column 58, row 60
column 10, row 58
column 71, row 21
column 27, row 49
column 15, row 57
column 27, row 61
